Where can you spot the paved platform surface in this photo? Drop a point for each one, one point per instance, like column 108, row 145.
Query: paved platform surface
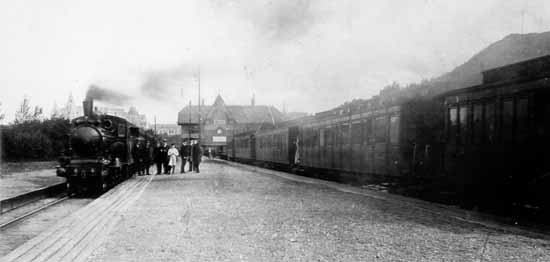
column 18, row 183
column 228, row 213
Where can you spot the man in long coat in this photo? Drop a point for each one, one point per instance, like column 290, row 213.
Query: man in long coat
column 149, row 153
column 196, row 156
column 137, row 155
column 161, row 157
column 185, row 154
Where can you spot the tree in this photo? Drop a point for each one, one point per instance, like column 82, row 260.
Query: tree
column 69, row 107
column 2, row 115
column 55, row 111
column 37, row 114
column 23, row 114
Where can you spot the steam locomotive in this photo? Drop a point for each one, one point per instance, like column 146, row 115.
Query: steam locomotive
column 484, row 146
column 100, row 151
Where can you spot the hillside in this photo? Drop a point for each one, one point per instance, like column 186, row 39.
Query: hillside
column 511, row 49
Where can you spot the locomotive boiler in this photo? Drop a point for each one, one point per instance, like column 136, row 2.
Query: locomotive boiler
column 100, row 151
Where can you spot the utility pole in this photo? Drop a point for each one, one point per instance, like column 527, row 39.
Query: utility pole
column 199, row 102
column 155, row 125
column 189, row 126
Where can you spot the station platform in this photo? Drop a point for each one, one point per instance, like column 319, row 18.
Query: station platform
column 230, row 212
column 18, row 187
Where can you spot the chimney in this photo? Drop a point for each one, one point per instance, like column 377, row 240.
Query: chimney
column 253, row 100
column 87, row 106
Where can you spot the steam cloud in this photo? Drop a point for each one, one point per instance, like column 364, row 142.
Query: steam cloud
column 160, row 85
column 105, row 95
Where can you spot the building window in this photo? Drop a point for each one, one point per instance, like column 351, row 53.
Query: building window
column 219, row 122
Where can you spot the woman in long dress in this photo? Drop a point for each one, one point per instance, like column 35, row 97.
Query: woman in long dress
column 173, row 158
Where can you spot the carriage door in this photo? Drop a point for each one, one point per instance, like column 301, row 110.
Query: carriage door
column 292, row 145
column 542, row 129
column 253, row 147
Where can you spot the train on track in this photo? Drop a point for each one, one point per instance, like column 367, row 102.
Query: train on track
column 484, row 146
column 100, row 151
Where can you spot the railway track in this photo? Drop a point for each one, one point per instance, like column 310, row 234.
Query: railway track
column 33, row 211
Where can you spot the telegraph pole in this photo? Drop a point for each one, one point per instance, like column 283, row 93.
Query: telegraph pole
column 189, row 127
column 199, row 102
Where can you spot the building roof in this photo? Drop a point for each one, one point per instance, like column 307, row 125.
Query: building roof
column 238, row 113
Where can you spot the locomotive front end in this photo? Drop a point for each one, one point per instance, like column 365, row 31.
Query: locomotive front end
column 84, row 163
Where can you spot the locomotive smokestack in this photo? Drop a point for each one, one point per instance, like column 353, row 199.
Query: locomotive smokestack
column 88, row 106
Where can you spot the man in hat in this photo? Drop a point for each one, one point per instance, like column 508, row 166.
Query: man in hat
column 196, row 156
column 149, row 153
column 165, row 158
column 184, row 151
column 161, row 157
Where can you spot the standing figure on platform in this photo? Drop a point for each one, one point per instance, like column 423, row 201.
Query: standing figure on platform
column 157, row 158
column 149, row 151
column 173, row 158
column 190, row 156
column 197, row 156
column 137, row 156
column 165, row 158
column 161, row 157
column 184, row 153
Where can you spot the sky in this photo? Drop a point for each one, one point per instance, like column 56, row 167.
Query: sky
column 309, row 55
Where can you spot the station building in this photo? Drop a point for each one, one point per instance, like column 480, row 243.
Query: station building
column 218, row 122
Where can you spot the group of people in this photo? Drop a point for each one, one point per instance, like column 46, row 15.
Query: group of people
column 166, row 157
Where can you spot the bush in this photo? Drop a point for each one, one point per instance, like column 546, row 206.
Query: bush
column 36, row 140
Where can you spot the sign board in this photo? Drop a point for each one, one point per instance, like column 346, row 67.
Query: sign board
column 219, row 139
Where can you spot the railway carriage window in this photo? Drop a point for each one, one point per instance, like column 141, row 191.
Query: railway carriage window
column 380, row 129
column 344, row 130
column 322, row 137
column 356, row 133
column 522, row 122
column 394, row 129
column 477, row 123
column 328, row 136
column 453, row 123
column 463, row 123
column 367, row 130
column 490, row 121
column 507, row 120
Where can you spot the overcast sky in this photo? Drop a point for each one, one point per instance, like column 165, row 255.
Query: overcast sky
column 311, row 55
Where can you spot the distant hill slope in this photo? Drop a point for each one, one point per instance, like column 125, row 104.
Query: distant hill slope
column 511, row 49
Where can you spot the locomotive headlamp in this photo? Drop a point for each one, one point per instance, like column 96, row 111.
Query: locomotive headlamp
column 92, row 170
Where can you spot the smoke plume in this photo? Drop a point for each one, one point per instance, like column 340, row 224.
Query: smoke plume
column 105, row 95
